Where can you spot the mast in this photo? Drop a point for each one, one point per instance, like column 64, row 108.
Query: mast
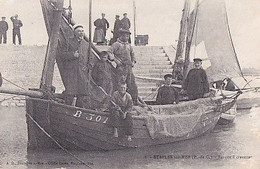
column 134, row 20
column 178, row 63
column 191, row 28
column 47, row 74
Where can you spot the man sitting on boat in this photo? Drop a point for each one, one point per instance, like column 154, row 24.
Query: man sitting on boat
column 196, row 83
column 76, row 62
column 167, row 94
column 123, row 55
column 121, row 117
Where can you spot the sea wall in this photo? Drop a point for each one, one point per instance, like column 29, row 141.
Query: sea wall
column 22, row 66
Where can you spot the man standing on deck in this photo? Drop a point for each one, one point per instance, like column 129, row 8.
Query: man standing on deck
column 122, row 53
column 196, row 83
column 3, row 30
column 17, row 24
column 77, row 63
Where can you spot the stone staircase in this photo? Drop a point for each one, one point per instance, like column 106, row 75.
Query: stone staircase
column 153, row 62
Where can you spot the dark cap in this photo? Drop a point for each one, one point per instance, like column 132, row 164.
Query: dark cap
column 121, row 31
column 125, row 14
column 197, row 59
column 168, row 75
column 103, row 53
column 3, row 17
column 117, row 16
column 77, row 26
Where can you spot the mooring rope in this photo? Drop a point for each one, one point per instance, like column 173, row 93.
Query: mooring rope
column 64, row 149
column 13, row 83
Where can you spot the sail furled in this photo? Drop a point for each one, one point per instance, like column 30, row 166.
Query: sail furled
column 212, row 41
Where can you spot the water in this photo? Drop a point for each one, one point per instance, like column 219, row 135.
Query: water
column 229, row 146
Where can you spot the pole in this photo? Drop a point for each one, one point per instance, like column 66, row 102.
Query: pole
column 90, row 31
column 178, row 62
column 134, row 20
column 47, row 73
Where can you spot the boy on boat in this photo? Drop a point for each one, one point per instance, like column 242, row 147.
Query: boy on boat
column 196, row 83
column 167, row 94
column 121, row 116
column 102, row 73
column 123, row 54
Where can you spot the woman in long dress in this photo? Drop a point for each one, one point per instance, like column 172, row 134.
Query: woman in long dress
column 99, row 36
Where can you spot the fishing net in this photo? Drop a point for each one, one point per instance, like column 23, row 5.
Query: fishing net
column 175, row 120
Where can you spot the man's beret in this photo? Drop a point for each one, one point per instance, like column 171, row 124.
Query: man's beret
column 197, row 59
column 168, row 75
column 77, row 26
column 121, row 31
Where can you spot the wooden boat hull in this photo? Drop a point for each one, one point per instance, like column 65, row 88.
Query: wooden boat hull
column 228, row 116
column 74, row 127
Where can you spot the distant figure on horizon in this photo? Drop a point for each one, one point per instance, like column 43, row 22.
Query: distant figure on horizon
column 17, row 24
column 126, row 24
column 99, row 34
column 3, row 30
column 105, row 24
column 117, row 26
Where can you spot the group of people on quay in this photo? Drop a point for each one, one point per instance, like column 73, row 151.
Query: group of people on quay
column 17, row 24
column 102, row 25
column 123, row 93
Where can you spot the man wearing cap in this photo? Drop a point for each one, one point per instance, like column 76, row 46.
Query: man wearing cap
column 196, row 83
column 3, row 30
column 76, row 63
column 17, row 24
column 167, row 94
column 126, row 24
column 117, row 26
column 123, row 54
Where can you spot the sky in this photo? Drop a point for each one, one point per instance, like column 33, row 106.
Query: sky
column 160, row 19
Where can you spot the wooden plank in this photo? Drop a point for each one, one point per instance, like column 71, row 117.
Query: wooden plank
column 47, row 74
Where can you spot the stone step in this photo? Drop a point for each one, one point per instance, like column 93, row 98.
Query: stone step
column 159, row 62
column 161, row 54
column 152, row 59
column 147, row 71
column 138, row 66
column 155, row 75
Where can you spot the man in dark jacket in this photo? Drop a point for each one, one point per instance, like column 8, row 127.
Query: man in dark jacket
column 3, row 30
column 17, row 24
column 126, row 24
column 102, row 73
column 196, row 83
column 117, row 26
column 105, row 24
column 167, row 94
column 77, row 63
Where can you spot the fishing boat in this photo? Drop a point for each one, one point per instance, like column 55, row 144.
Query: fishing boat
column 51, row 122
column 205, row 34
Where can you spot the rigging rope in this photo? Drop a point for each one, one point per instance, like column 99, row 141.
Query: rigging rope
column 58, row 144
column 13, row 83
